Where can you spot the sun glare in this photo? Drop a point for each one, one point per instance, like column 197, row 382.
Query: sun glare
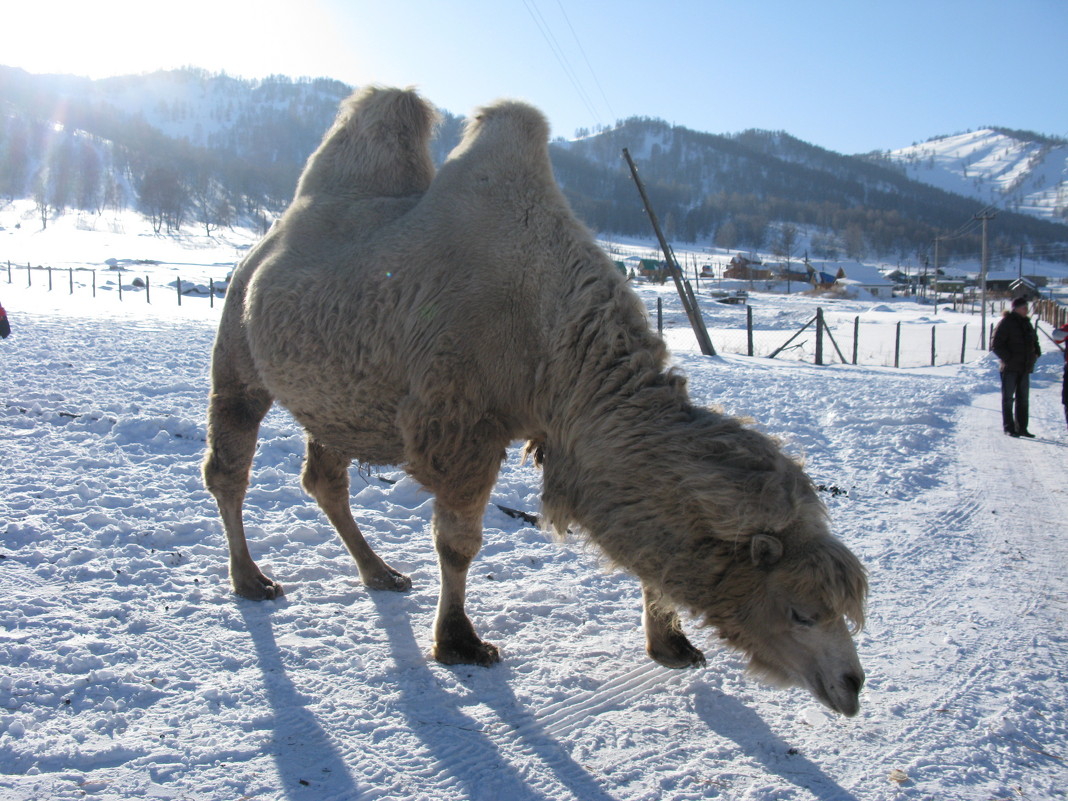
column 116, row 37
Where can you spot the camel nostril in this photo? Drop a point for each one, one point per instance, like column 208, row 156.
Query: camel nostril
column 853, row 682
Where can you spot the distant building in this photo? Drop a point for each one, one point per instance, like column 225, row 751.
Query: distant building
column 746, row 269
column 653, row 270
column 853, row 275
column 1005, row 281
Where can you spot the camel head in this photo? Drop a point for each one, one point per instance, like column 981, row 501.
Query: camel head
column 719, row 521
column 797, row 600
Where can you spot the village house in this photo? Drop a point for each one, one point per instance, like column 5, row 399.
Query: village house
column 854, row 275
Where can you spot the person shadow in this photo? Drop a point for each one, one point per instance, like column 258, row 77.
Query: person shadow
column 733, row 720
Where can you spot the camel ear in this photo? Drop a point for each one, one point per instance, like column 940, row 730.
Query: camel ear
column 766, row 550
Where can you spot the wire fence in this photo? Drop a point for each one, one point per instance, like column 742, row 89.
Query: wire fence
column 877, row 338
column 122, row 282
column 826, row 338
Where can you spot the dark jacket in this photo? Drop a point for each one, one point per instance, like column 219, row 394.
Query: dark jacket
column 1016, row 343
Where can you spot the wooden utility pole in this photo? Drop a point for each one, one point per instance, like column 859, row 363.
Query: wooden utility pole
column 986, row 217
column 693, row 312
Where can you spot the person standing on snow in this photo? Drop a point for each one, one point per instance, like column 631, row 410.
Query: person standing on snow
column 1060, row 336
column 1015, row 342
column 5, row 326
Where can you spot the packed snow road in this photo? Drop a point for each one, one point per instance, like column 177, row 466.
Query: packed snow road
column 128, row 669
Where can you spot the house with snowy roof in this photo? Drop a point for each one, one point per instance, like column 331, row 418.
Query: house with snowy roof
column 855, row 275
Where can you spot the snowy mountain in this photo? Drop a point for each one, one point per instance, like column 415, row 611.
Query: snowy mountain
column 1015, row 170
column 743, row 190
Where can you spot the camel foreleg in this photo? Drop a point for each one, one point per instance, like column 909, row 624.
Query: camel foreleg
column 457, row 538
column 665, row 641
column 326, row 478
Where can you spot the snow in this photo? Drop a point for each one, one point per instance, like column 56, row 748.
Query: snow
column 994, row 168
column 129, row 670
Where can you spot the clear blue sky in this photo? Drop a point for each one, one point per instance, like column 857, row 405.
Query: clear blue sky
column 849, row 75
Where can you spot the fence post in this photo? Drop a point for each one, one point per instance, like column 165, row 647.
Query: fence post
column 933, row 329
column 148, row 290
column 211, row 293
column 660, row 316
column 71, row 280
column 749, row 328
column 897, row 346
column 819, row 335
column 29, row 275
column 49, row 277
column 963, row 342
column 856, row 337
column 94, row 283
column 120, row 284
column 179, row 285
column 9, row 272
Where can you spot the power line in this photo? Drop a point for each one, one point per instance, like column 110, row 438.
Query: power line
column 582, row 50
column 561, row 57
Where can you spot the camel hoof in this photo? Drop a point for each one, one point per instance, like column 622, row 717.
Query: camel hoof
column 679, row 658
column 392, row 580
column 479, row 653
column 258, row 588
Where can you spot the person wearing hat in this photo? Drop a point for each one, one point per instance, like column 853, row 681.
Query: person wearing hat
column 1015, row 343
column 1060, row 336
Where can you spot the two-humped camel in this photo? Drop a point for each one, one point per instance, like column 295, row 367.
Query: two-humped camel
column 423, row 320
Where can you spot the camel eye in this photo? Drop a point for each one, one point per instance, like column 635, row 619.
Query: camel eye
column 799, row 619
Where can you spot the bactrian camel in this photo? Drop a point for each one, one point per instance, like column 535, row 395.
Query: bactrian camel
column 407, row 318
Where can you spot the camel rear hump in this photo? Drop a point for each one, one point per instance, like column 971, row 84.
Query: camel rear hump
column 499, row 176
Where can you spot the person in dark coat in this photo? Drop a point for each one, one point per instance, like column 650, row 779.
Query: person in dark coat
column 5, row 326
column 1016, row 344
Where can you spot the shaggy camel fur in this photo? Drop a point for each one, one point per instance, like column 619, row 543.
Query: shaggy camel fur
column 433, row 331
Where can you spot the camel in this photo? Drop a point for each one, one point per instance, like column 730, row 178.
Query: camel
column 430, row 321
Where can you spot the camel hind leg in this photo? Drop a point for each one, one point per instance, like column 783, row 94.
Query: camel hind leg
column 462, row 491
column 234, row 417
column 326, row 478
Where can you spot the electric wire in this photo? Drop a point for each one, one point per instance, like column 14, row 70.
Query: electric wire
column 561, row 57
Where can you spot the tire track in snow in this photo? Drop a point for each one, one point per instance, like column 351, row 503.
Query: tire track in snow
column 561, row 718
column 1008, row 566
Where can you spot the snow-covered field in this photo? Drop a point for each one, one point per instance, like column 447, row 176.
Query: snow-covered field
column 129, row 670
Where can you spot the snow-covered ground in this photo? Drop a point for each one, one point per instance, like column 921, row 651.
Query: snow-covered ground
column 129, row 670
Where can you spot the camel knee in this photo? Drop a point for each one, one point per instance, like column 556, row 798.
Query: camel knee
column 457, row 537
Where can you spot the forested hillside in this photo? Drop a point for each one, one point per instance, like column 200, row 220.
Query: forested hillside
column 192, row 149
column 744, row 190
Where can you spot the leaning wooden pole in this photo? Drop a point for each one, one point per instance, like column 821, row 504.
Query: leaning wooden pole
column 693, row 313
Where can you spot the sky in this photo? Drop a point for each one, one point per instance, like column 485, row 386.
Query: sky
column 849, row 75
